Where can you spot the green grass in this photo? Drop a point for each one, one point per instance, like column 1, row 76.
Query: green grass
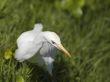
column 87, row 39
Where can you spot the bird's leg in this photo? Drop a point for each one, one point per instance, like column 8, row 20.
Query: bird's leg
column 52, row 78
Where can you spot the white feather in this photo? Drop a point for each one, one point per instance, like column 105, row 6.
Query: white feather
column 36, row 47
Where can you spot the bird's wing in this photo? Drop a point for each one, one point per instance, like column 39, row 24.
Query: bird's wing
column 38, row 27
column 25, row 37
column 27, row 46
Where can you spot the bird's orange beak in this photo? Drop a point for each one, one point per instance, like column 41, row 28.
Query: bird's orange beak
column 60, row 47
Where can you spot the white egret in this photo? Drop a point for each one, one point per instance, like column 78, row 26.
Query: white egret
column 39, row 47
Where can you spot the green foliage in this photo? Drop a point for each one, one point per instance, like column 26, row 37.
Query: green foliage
column 73, row 6
column 86, row 38
column 19, row 79
column 8, row 54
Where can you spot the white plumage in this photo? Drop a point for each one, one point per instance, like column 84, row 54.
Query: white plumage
column 39, row 47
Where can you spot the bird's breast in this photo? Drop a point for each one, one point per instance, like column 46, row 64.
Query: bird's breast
column 48, row 50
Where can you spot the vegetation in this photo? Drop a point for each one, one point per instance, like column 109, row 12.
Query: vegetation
column 84, row 28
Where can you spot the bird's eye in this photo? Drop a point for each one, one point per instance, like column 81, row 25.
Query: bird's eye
column 53, row 42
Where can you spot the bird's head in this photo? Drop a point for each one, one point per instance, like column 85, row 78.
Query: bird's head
column 54, row 39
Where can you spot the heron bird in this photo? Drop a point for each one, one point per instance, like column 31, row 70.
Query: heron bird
column 39, row 47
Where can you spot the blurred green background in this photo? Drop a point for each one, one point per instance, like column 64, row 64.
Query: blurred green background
column 83, row 26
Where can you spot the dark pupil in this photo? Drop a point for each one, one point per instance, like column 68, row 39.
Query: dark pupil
column 53, row 42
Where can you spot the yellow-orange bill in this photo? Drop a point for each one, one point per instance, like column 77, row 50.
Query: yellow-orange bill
column 60, row 47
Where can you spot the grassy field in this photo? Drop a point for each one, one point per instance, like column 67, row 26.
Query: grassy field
column 86, row 35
